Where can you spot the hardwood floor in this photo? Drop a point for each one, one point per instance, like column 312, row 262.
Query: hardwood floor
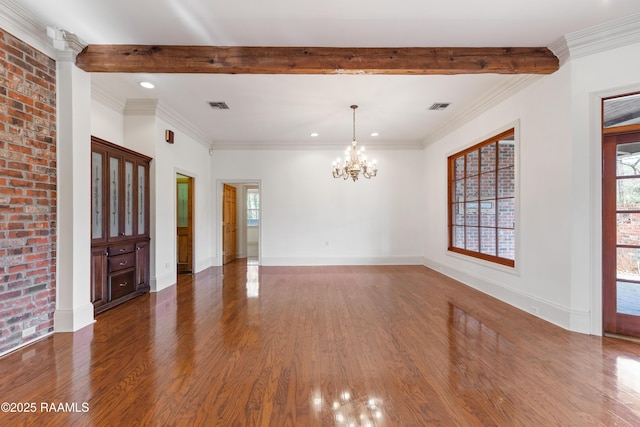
column 333, row 346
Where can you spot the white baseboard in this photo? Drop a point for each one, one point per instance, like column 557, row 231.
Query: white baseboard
column 576, row 321
column 316, row 261
column 74, row 319
column 204, row 264
column 161, row 282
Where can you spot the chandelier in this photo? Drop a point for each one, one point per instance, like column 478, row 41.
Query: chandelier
column 355, row 161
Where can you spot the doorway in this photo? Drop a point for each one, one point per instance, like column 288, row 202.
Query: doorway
column 229, row 224
column 621, row 233
column 621, row 215
column 184, row 229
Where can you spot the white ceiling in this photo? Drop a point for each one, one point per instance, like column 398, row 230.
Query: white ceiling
column 287, row 108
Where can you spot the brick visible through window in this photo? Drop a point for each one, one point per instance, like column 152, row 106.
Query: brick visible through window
column 482, row 200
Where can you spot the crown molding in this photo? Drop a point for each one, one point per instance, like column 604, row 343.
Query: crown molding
column 599, row 38
column 140, row 107
column 181, row 123
column 484, row 103
column 23, row 25
column 256, row 145
column 104, row 98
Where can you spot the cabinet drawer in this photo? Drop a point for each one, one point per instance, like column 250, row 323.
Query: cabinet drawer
column 121, row 262
column 121, row 249
column 121, row 284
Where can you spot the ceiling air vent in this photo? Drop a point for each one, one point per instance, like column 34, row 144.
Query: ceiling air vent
column 439, row 106
column 219, row 105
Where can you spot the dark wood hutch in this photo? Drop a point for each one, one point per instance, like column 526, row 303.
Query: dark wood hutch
column 119, row 224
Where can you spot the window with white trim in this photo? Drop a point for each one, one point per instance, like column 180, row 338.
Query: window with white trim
column 482, row 200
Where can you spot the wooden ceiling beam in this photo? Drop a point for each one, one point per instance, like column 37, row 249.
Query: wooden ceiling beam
column 315, row 60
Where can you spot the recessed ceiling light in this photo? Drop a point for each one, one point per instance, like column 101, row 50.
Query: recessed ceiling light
column 314, row 134
column 375, row 134
column 147, row 85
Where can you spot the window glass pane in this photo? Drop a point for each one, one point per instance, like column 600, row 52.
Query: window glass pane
column 628, row 194
column 621, row 111
column 458, row 214
column 628, row 228
column 253, row 207
column 488, row 186
column 506, row 243
column 458, row 191
column 506, row 154
column 183, row 204
column 472, row 188
column 628, row 263
column 472, row 243
column 506, row 213
column 472, row 163
column 488, row 213
column 506, row 182
column 471, row 213
column 628, row 160
column 488, row 241
column 458, row 237
column 488, row 157
column 459, row 167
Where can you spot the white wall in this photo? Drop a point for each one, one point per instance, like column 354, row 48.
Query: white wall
column 558, row 275
column 609, row 73
column 187, row 157
column 107, row 123
column 542, row 113
column 143, row 131
column 310, row 218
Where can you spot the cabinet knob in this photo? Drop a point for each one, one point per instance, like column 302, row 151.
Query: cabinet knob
column 123, row 263
column 122, row 285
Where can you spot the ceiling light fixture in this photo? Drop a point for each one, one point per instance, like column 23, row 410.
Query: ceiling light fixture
column 355, row 160
column 147, row 85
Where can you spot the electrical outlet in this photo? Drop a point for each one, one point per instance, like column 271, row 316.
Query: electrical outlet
column 28, row 331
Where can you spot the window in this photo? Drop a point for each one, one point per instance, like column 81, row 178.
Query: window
column 482, row 200
column 253, row 207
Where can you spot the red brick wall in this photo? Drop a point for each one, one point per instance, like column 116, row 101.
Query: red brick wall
column 27, row 192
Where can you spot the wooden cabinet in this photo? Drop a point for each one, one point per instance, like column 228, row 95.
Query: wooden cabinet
column 119, row 224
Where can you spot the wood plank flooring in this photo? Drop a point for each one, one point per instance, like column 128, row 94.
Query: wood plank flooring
column 242, row 345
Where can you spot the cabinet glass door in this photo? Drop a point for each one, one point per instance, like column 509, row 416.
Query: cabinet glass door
column 128, row 196
column 114, row 194
column 142, row 175
column 96, row 195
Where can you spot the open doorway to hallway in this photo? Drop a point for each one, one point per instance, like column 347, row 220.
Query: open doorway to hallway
column 240, row 221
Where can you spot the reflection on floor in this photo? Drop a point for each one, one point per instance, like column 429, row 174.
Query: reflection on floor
column 247, row 345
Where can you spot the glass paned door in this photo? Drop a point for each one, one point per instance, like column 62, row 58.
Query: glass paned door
column 621, row 234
